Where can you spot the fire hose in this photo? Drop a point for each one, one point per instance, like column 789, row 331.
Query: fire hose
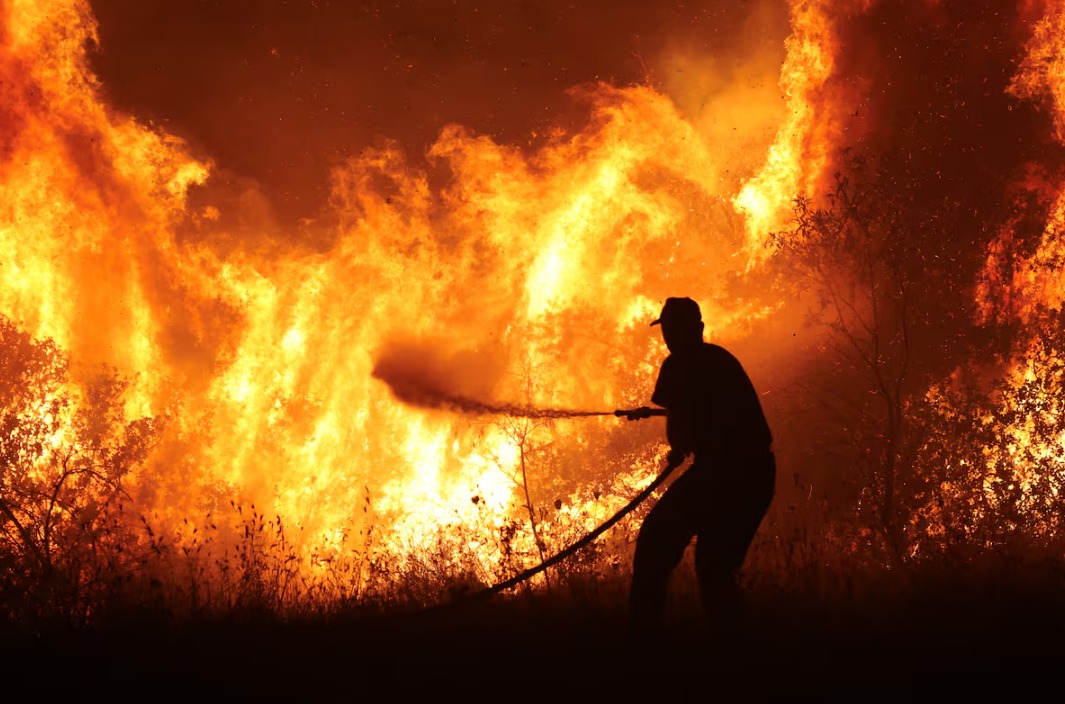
column 634, row 414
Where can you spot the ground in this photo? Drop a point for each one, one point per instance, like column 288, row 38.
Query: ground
column 534, row 650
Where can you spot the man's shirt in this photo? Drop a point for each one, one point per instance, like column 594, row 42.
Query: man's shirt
column 712, row 407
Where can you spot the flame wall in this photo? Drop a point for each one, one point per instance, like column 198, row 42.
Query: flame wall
column 537, row 269
column 529, row 268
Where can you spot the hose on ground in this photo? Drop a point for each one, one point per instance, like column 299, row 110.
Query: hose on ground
column 586, row 540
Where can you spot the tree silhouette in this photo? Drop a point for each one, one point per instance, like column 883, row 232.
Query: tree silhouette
column 65, row 450
column 856, row 254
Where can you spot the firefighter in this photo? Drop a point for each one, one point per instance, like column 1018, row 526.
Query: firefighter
column 714, row 415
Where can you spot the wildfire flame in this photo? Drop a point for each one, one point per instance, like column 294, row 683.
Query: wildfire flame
column 527, row 280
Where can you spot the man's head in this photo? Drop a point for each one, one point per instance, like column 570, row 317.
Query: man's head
column 682, row 324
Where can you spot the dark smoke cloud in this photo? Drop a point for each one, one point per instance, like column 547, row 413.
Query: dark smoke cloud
column 420, row 375
column 945, row 143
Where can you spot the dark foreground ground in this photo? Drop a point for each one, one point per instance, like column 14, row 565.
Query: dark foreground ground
column 950, row 644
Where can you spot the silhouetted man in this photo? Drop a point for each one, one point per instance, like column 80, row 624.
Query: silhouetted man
column 712, row 412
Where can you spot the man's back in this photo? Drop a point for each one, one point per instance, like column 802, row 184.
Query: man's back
column 713, row 407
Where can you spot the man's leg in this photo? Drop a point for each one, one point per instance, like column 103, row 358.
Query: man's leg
column 720, row 590
column 666, row 532
column 735, row 511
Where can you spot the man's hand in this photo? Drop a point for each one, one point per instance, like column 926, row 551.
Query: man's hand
column 676, row 457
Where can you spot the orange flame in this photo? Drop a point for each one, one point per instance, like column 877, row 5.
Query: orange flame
column 800, row 153
column 1029, row 289
column 534, row 273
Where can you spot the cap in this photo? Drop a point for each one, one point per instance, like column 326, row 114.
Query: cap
column 680, row 310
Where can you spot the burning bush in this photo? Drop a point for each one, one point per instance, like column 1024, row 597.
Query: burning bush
column 64, row 454
column 995, row 457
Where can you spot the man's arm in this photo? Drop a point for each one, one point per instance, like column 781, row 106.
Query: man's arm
column 677, row 430
column 680, row 431
column 679, row 390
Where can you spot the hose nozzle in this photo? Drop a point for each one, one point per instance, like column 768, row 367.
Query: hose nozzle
column 639, row 413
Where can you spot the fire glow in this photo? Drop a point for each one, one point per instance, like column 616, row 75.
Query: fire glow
column 525, row 281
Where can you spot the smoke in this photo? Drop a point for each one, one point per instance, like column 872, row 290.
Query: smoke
column 256, row 85
column 726, row 81
column 420, row 375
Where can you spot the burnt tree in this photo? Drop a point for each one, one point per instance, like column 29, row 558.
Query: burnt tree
column 856, row 254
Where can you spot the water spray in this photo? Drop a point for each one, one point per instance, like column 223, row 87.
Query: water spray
column 412, row 382
column 417, row 380
column 432, row 398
